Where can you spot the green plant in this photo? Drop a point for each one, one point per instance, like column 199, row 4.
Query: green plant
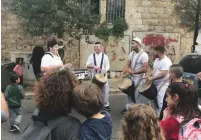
column 117, row 30
column 186, row 11
column 103, row 32
column 151, row 63
column 119, row 26
column 43, row 17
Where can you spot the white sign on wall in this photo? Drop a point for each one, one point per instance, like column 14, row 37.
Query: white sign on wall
column 199, row 38
column 198, row 49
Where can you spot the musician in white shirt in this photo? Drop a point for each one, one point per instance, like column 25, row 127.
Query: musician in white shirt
column 160, row 74
column 137, row 70
column 51, row 60
column 97, row 69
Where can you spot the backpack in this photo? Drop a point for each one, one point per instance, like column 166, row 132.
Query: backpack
column 40, row 128
column 191, row 130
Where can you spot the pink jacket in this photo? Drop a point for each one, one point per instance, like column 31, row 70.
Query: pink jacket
column 18, row 69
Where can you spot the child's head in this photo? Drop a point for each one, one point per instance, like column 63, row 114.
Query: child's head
column 141, row 123
column 176, row 71
column 87, row 99
column 14, row 78
column 183, row 99
column 19, row 60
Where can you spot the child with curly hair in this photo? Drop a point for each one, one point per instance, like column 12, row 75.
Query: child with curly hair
column 53, row 96
column 140, row 123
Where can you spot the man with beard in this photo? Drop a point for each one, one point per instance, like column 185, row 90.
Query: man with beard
column 137, row 66
column 160, row 74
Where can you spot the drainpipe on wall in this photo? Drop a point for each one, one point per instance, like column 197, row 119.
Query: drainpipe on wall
column 196, row 24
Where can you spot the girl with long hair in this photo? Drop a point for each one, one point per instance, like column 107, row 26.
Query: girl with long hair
column 182, row 102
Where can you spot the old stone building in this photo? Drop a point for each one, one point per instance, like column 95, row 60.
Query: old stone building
column 153, row 21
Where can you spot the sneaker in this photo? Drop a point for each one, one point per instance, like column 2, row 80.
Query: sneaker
column 12, row 128
column 17, row 128
column 107, row 108
column 124, row 111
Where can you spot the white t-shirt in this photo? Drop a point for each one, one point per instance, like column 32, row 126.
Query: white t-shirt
column 143, row 58
column 159, row 65
column 105, row 66
column 51, row 60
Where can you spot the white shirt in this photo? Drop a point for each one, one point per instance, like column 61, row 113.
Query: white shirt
column 105, row 66
column 143, row 58
column 48, row 60
column 159, row 65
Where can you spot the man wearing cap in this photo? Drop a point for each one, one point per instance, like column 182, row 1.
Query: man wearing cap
column 51, row 60
column 137, row 66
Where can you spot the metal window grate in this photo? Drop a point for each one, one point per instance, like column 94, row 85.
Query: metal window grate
column 115, row 9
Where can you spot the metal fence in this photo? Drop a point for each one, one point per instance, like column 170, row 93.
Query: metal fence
column 115, row 9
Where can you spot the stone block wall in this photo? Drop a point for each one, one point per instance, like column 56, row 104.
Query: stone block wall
column 14, row 40
column 141, row 15
column 156, row 16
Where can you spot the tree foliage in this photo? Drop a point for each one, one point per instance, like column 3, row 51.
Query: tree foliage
column 186, row 11
column 41, row 17
column 116, row 30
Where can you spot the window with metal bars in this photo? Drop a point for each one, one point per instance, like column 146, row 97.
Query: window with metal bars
column 115, row 9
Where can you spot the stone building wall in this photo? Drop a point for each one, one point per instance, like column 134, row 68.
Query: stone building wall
column 156, row 16
column 14, row 40
column 143, row 17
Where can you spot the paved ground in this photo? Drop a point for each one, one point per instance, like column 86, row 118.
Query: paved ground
column 117, row 102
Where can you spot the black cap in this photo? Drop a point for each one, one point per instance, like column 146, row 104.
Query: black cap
column 51, row 43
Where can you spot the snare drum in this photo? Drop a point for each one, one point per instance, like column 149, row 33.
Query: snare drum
column 148, row 90
column 127, row 86
column 99, row 79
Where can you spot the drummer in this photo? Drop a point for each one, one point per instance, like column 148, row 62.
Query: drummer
column 137, row 69
column 99, row 56
column 160, row 74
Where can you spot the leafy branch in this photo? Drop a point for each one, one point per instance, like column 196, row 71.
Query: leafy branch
column 117, row 30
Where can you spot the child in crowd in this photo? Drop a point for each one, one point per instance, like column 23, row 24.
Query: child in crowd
column 19, row 69
column 182, row 102
column 175, row 75
column 88, row 101
column 140, row 123
column 13, row 94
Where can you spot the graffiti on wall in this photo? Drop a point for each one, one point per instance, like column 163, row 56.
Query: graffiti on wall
column 116, row 50
column 171, row 41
